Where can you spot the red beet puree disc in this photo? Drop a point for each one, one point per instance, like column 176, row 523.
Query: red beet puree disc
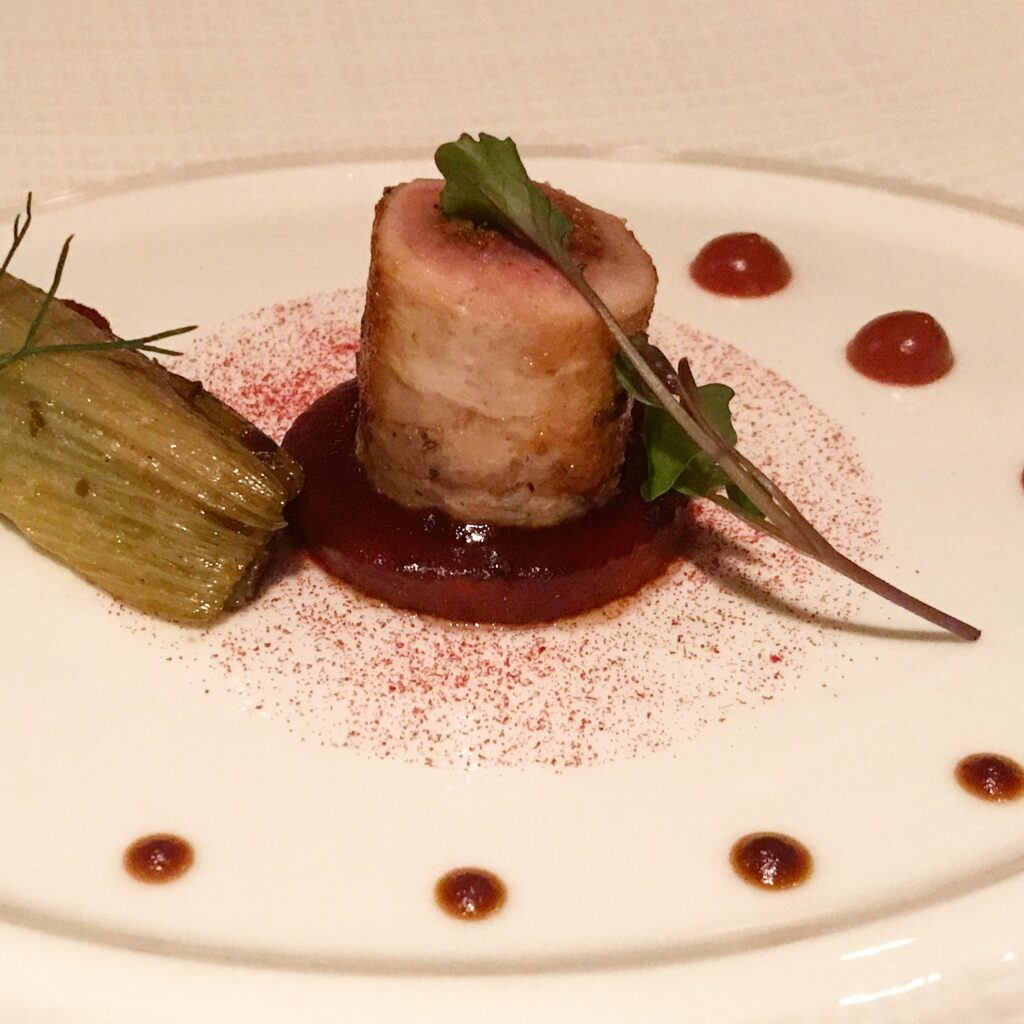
column 906, row 347
column 425, row 561
column 743, row 265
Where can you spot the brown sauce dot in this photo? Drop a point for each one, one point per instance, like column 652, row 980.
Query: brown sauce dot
column 743, row 265
column 470, row 894
column 991, row 777
column 158, row 858
column 771, row 860
column 906, row 347
column 82, row 487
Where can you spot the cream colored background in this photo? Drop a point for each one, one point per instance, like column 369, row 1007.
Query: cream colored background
column 922, row 91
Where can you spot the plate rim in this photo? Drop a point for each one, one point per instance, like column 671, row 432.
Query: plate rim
column 201, row 170
column 193, row 173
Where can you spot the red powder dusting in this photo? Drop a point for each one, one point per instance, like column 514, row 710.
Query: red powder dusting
column 717, row 636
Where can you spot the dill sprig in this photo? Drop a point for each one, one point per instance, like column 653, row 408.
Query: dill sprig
column 30, row 347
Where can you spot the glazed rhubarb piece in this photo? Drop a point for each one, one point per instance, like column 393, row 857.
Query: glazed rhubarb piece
column 136, row 478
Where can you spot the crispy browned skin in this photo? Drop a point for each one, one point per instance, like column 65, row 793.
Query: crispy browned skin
column 485, row 379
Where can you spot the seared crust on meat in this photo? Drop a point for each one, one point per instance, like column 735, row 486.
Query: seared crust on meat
column 486, row 381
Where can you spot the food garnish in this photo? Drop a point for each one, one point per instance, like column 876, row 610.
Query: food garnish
column 685, row 428
column 30, row 345
column 136, row 478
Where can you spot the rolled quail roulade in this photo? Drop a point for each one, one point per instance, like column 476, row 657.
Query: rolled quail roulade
column 486, row 381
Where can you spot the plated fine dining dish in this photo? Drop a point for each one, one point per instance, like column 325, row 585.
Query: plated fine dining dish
column 747, row 768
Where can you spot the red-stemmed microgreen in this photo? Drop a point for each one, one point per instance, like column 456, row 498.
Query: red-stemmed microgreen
column 690, row 440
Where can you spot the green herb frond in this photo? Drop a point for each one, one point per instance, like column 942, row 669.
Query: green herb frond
column 29, row 346
column 20, row 230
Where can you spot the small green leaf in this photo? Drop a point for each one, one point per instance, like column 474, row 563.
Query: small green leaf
column 486, row 182
column 674, row 460
column 741, row 501
column 669, row 451
column 631, row 382
column 701, row 478
column 716, row 398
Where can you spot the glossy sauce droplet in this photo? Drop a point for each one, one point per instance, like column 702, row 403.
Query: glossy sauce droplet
column 470, row 893
column 906, row 347
column 743, row 265
column 991, row 777
column 158, row 858
column 771, row 860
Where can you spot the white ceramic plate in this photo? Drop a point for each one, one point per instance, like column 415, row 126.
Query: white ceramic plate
column 320, row 828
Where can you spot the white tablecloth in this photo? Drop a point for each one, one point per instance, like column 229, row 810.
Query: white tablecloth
column 929, row 92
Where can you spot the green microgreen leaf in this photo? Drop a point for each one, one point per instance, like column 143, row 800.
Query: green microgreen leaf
column 743, row 504
column 715, row 399
column 669, row 452
column 630, row 379
column 486, row 182
column 675, row 461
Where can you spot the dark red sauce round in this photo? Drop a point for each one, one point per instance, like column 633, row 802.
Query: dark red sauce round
column 906, row 347
column 770, row 860
column 94, row 316
column 470, row 893
column 743, row 265
column 991, row 777
column 425, row 561
column 158, row 858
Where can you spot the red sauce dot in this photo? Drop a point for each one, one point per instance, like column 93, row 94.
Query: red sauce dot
column 742, row 265
column 470, row 893
column 906, row 347
column 771, row 860
column 991, row 777
column 158, row 858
